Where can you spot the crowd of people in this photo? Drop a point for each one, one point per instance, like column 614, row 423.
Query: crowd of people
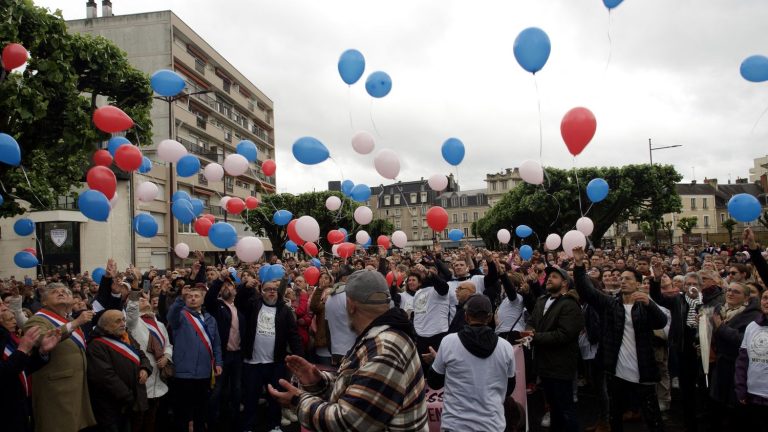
column 353, row 344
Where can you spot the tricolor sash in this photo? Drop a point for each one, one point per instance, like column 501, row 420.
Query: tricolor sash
column 57, row 320
column 154, row 330
column 7, row 352
column 199, row 326
column 121, row 348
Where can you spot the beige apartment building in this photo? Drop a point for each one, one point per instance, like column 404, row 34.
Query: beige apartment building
column 499, row 184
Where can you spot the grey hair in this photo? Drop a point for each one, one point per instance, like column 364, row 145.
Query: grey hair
column 694, row 275
column 47, row 288
column 679, row 278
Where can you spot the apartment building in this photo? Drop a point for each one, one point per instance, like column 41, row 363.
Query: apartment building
column 498, row 184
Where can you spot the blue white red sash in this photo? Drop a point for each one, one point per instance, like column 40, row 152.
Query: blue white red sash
column 57, row 320
column 154, row 330
column 199, row 326
column 121, row 348
column 7, row 352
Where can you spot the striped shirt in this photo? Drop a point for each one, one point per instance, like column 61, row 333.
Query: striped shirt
column 379, row 387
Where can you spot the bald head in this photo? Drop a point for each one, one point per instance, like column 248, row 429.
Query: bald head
column 112, row 322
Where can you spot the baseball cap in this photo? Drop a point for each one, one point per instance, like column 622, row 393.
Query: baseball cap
column 478, row 305
column 367, row 287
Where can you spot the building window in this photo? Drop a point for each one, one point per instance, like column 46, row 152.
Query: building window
column 413, row 198
column 504, row 185
column 706, row 221
column 424, row 223
column 474, row 216
column 455, row 218
column 186, row 228
column 493, row 186
column 454, row 202
column 397, row 212
column 226, row 84
column 397, row 199
column 397, row 224
column 466, row 232
column 160, row 192
column 464, row 201
column 444, row 202
column 704, row 203
column 722, row 217
column 693, row 203
column 414, row 222
column 387, row 200
column 415, row 235
column 464, row 217
column 160, row 219
column 423, row 197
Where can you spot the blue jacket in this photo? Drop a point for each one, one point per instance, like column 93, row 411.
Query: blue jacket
column 190, row 355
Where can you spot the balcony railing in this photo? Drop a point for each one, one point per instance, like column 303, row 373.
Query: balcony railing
column 201, row 179
column 201, row 151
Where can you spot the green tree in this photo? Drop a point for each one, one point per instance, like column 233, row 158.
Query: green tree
column 48, row 107
column 687, row 224
column 637, row 192
column 312, row 204
column 763, row 219
column 729, row 224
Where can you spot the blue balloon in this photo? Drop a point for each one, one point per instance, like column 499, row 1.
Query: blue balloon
column 24, row 227
column 263, row 270
column 247, row 149
column 2, row 200
column 94, row 205
column 309, row 151
column 347, row 186
column 115, row 142
column 233, row 273
column 455, row 234
column 197, row 206
column 167, row 83
column 453, row 151
column 183, row 211
column 315, row 262
column 222, row 235
column 275, row 272
column 532, row 49
column 523, row 231
column 97, row 274
column 145, row 225
column 597, row 190
column 367, row 243
column 291, row 247
column 146, row 165
column 378, row 84
column 351, row 66
column 25, row 259
column 346, row 234
column 282, row 217
column 10, row 152
column 188, row 166
column 360, row 193
column 744, row 207
column 610, row 4
column 526, row 252
column 755, row 68
column 180, row 195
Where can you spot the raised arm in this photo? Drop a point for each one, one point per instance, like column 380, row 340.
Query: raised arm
column 755, row 255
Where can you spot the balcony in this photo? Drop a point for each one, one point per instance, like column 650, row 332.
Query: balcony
column 201, row 151
column 201, row 179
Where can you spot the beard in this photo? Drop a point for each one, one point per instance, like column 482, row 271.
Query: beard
column 226, row 295
column 552, row 289
column 269, row 302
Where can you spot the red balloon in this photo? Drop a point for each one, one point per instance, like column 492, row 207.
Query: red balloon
column 111, row 119
column 33, row 251
column 102, row 158
column 14, row 55
column 577, row 128
column 346, row 250
column 310, row 248
column 103, row 180
column 251, row 202
column 383, row 241
column 437, row 218
column 335, row 236
column 210, row 217
column 128, row 157
column 202, row 226
column 391, row 277
column 312, row 275
column 235, row 205
column 268, row 167
column 292, row 234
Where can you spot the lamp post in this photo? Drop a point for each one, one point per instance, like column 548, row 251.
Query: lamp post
column 651, row 149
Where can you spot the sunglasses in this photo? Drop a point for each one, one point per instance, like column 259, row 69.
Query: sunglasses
column 733, row 273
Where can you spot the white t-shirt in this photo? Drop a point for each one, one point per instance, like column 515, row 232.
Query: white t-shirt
column 342, row 337
column 626, row 367
column 406, row 301
column 508, row 313
column 756, row 343
column 548, row 303
column 477, row 280
column 473, row 398
column 264, row 341
column 431, row 312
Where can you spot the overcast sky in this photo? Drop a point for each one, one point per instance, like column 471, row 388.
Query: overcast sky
column 673, row 76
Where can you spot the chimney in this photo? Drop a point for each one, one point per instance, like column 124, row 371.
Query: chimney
column 106, row 8
column 711, row 182
column 764, row 182
column 90, row 9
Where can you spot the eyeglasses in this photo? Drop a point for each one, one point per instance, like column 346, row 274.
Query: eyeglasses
column 733, row 273
column 266, row 290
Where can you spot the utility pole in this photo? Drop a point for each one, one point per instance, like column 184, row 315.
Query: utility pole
column 651, row 149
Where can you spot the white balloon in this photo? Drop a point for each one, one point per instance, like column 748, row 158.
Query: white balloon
column 531, row 172
column 362, row 237
column 182, row 250
column 573, row 239
column 363, row 215
column 585, row 225
column 170, row 151
column 235, row 164
column 113, row 201
column 249, row 249
column 223, row 202
column 438, row 182
column 335, row 249
column 213, row 172
column 504, row 236
column 308, row 229
column 147, row 192
column 333, row 203
column 552, row 242
column 363, row 142
column 387, row 164
column 399, row 239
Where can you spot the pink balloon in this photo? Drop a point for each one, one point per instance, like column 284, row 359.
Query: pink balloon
column 573, row 239
column 399, row 239
column 308, row 229
column 170, row 151
column 553, row 241
column 387, row 164
column 363, row 142
column 363, row 215
column 235, row 164
column 531, row 172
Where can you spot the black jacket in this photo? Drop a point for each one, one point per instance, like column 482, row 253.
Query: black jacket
column 678, row 310
column 219, row 310
column 15, row 406
column 760, row 265
column 645, row 319
column 556, row 339
column 286, row 331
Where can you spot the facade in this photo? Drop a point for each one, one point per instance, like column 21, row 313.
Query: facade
column 500, row 183
column 759, row 169
column 218, row 108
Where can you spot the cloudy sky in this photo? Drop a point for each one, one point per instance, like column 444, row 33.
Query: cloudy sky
column 673, row 76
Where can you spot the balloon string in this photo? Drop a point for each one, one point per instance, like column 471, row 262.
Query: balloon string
column 758, row 120
column 541, row 129
column 578, row 187
column 31, row 190
column 42, row 256
column 610, row 45
column 349, row 108
column 400, row 189
column 374, row 122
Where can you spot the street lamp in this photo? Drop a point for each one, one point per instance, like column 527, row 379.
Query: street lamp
column 651, row 149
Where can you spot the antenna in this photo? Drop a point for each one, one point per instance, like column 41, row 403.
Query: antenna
column 693, row 173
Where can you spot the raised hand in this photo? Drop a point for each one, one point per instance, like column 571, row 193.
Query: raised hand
column 749, row 239
column 578, row 256
column 111, row 268
column 49, row 341
column 306, row 372
column 29, row 340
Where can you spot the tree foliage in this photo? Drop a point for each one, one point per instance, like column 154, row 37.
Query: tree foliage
column 311, row 204
column 729, row 224
column 687, row 224
column 48, row 107
column 637, row 193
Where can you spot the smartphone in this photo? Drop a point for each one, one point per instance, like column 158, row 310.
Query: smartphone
column 146, row 286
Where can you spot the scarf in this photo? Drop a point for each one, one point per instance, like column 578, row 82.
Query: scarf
column 727, row 312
